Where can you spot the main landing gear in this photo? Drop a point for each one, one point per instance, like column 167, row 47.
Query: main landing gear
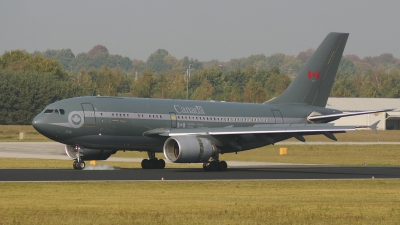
column 153, row 162
column 215, row 164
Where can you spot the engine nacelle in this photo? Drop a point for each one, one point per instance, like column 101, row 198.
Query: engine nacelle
column 188, row 149
column 88, row 154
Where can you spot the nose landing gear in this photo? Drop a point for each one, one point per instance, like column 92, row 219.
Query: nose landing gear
column 79, row 164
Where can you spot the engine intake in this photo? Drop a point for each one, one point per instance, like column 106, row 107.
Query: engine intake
column 88, row 154
column 188, row 149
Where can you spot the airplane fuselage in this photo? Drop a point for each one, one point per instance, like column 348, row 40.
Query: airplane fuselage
column 121, row 123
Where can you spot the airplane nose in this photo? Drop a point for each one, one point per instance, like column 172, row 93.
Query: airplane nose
column 38, row 122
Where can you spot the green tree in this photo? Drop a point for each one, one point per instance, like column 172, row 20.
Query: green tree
column 346, row 67
column 204, row 92
column 343, row 87
column 64, row 57
column 25, row 94
column 156, row 62
column 144, row 86
column 254, row 92
column 276, row 83
column 85, row 81
column 109, row 81
column 22, row 61
column 368, row 90
column 236, row 94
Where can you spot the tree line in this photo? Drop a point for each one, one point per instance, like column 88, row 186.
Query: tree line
column 32, row 81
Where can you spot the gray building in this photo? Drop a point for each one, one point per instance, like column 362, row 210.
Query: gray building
column 389, row 120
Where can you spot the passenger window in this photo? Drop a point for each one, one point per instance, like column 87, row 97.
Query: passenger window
column 62, row 111
column 56, row 111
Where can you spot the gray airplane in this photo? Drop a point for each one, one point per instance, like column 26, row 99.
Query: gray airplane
column 93, row 128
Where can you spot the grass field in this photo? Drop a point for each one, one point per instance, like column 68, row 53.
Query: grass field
column 163, row 202
column 11, row 133
column 217, row 202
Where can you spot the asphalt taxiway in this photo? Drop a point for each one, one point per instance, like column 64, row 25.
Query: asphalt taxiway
column 181, row 174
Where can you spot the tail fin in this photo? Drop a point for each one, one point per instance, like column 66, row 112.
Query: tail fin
column 314, row 82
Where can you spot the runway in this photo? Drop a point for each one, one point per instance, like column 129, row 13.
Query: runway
column 237, row 170
column 186, row 174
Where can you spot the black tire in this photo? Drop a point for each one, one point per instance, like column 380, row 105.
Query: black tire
column 160, row 164
column 145, row 163
column 205, row 166
column 81, row 165
column 74, row 165
column 213, row 166
column 152, row 164
column 222, row 166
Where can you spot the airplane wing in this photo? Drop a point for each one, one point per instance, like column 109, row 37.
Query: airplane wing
column 316, row 117
column 297, row 130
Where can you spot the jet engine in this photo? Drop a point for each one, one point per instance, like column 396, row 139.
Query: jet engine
column 188, row 149
column 88, row 154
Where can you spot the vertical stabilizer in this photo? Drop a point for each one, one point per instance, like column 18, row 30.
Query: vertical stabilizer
column 314, row 82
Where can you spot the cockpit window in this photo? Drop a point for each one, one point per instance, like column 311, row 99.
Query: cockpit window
column 48, row 111
column 54, row 111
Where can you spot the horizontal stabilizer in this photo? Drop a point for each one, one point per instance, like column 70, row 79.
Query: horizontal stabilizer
column 316, row 117
column 373, row 127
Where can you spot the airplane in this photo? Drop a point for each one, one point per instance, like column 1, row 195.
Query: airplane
column 186, row 131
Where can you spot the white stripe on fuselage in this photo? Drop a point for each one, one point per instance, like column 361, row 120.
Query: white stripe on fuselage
column 179, row 118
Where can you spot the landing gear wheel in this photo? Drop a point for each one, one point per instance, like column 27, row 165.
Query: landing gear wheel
column 215, row 166
column 74, row 165
column 205, row 166
column 79, row 165
column 145, row 164
column 160, row 164
column 153, row 162
column 222, row 166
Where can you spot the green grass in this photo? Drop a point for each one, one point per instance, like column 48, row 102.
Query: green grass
column 10, row 133
column 163, row 202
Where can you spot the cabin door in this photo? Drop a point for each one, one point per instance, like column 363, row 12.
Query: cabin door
column 278, row 116
column 88, row 111
column 173, row 120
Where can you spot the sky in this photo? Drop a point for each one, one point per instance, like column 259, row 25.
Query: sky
column 203, row 30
